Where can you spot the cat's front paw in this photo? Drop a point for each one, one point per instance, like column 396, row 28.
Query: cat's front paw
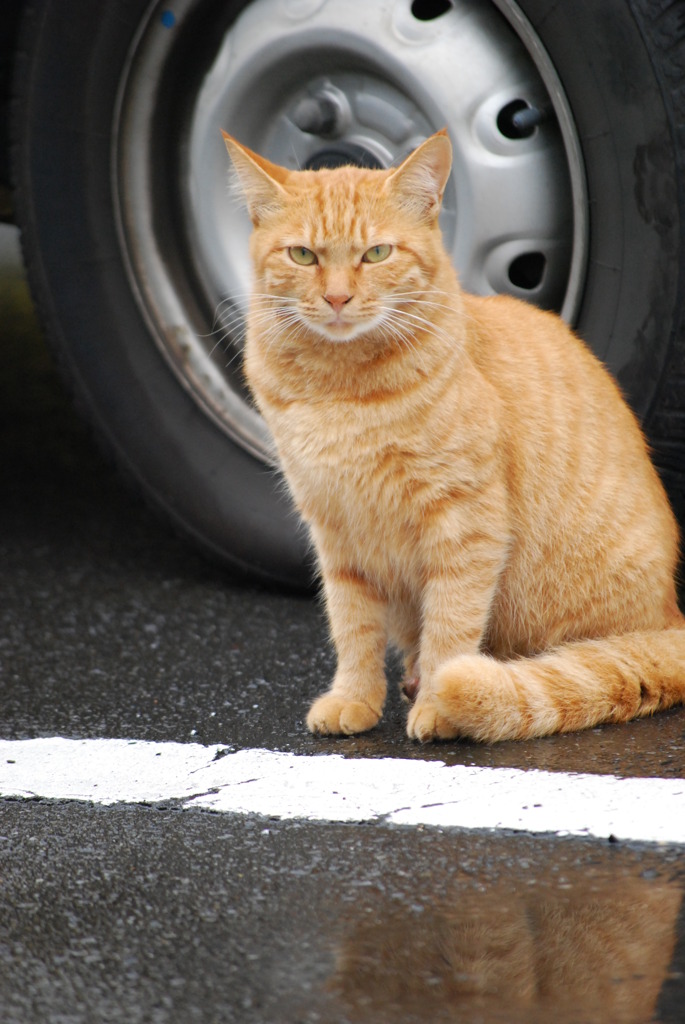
column 426, row 723
column 331, row 715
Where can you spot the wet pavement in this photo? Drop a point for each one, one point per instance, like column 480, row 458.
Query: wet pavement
column 138, row 915
column 112, row 627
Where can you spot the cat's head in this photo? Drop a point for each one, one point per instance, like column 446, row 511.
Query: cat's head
column 346, row 252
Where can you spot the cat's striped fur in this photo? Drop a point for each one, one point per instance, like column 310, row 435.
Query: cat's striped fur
column 477, row 490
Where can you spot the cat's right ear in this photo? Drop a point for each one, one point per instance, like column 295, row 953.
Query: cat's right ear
column 260, row 180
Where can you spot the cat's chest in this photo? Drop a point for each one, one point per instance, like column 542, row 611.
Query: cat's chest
column 354, row 472
column 335, row 450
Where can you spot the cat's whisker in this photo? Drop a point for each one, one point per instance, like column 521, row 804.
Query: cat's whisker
column 229, row 327
column 224, row 341
column 418, row 298
column 428, row 328
column 236, row 355
column 416, row 321
column 399, row 331
column 285, row 330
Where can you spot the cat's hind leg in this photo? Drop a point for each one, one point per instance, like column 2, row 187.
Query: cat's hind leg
column 404, row 629
column 410, row 685
column 576, row 686
column 472, row 696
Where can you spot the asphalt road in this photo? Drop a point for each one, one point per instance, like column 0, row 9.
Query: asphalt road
column 112, row 627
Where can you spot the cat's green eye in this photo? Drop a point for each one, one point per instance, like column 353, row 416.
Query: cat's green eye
column 303, row 257
column 377, row 253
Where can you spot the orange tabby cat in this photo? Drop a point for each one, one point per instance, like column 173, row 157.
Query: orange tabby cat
column 477, row 490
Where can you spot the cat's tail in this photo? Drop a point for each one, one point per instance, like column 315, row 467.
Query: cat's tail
column 573, row 687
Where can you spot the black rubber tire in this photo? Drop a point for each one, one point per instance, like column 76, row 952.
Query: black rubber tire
column 622, row 66
column 66, row 79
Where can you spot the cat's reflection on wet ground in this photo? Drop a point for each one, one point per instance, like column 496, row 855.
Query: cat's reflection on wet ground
column 575, row 955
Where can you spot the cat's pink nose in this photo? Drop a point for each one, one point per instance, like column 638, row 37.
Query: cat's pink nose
column 337, row 301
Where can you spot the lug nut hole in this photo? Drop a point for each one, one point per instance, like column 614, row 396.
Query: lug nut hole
column 427, row 10
column 527, row 270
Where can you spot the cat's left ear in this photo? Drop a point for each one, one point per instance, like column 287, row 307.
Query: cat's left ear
column 419, row 182
column 261, row 181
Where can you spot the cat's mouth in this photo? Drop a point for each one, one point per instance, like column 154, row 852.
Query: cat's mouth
column 340, row 325
column 344, row 328
column 343, row 331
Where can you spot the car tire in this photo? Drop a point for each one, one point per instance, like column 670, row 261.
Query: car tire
column 621, row 67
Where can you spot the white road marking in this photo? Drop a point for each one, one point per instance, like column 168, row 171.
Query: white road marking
column 329, row 787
